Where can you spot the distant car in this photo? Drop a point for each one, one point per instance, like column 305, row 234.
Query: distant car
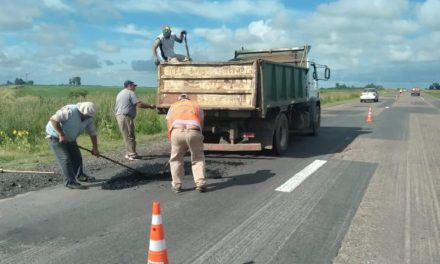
column 369, row 94
column 415, row 91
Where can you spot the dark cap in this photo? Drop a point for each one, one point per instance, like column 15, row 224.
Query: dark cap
column 128, row 82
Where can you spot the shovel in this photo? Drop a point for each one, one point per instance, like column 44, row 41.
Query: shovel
column 187, row 50
column 114, row 161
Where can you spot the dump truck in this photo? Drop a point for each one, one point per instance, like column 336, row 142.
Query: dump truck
column 251, row 102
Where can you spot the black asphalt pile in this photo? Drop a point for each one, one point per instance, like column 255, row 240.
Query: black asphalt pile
column 143, row 175
column 12, row 184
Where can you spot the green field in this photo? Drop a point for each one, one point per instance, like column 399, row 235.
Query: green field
column 434, row 93
column 25, row 111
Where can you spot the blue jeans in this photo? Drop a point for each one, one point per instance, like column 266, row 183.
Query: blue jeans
column 69, row 158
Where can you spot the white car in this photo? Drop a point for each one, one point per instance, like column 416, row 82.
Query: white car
column 369, row 94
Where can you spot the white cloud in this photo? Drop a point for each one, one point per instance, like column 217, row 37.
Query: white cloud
column 364, row 9
column 143, row 65
column 257, row 35
column 429, row 14
column 82, row 61
column 57, row 4
column 400, row 53
column 132, row 29
column 104, row 46
column 97, row 11
column 7, row 62
column 202, row 8
column 18, row 15
column 53, row 35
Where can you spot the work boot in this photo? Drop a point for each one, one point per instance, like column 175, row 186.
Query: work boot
column 76, row 186
column 177, row 189
column 201, row 189
column 86, row 178
column 131, row 158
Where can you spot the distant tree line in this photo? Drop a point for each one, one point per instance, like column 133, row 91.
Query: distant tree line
column 75, row 80
column 370, row 85
column 434, row 86
column 20, row 81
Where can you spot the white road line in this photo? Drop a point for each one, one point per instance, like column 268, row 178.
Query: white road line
column 301, row 176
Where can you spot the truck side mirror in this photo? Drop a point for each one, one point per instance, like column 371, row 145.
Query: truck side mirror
column 327, row 73
column 315, row 74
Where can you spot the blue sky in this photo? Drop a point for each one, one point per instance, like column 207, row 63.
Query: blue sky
column 393, row 43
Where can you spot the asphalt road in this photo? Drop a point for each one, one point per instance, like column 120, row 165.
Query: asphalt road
column 369, row 194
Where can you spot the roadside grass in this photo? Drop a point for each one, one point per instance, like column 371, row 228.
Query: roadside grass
column 25, row 111
column 332, row 97
column 433, row 93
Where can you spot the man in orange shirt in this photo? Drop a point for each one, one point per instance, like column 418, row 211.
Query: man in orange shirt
column 185, row 123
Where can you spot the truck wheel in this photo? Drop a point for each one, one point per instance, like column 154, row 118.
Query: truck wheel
column 317, row 122
column 281, row 135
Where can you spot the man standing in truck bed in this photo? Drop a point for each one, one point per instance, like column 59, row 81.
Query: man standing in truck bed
column 165, row 42
column 185, row 123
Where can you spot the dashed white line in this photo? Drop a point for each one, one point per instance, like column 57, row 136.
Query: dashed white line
column 301, row 176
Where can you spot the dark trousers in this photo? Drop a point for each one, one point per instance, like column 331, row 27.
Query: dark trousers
column 68, row 157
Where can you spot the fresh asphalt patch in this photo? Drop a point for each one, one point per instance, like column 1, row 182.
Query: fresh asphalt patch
column 159, row 171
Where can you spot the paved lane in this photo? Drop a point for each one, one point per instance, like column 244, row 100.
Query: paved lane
column 398, row 220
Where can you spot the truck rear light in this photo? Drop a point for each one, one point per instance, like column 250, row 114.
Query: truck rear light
column 248, row 135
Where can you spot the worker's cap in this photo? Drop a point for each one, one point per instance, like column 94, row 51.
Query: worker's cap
column 87, row 108
column 183, row 96
column 166, row 29
column 128, row 82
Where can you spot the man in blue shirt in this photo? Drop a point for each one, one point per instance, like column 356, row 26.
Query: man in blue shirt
column 62, row 131
column 125, row 111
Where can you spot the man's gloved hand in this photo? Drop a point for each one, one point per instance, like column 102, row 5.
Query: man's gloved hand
column 183, row 32
column 156, row 61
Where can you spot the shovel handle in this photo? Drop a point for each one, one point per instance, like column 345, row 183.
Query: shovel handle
column 186, row 47
column 112, row 160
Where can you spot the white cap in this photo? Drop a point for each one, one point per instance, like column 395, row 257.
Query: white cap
column 87, row 108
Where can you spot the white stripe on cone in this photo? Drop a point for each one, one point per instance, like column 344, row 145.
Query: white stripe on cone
column 156, row 220
column 157, row 245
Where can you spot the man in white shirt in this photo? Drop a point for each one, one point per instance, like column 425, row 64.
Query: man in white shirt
column 165, row 42
column 62, row 130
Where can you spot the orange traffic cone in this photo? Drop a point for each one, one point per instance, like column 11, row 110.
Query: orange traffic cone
column 157, row 253
column 370, row 116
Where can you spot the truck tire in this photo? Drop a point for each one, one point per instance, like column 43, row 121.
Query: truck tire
column 281, row 135
column 316, row 124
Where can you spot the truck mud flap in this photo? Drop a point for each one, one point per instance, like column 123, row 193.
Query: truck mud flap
column 233, row 147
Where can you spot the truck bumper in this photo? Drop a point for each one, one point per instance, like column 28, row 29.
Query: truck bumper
column 233, row 147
